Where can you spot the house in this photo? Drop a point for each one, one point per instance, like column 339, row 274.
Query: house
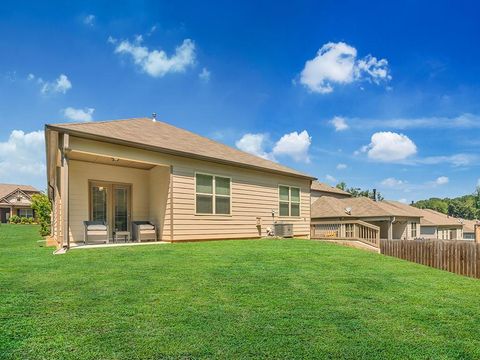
column 16, row 200
column 190, row 187
column 469, row 229
column 319, row 189
column 435, row 225
column 389, row 218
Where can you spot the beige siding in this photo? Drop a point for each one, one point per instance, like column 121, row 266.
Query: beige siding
column 254, row 194
column 159, row 200
column 80, row 174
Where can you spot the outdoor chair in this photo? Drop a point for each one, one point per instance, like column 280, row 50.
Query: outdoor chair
column 143, row 231
column 95, row 230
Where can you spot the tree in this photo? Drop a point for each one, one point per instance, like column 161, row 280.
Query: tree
column 43, row 210
column 466, row 207
column 357, row 192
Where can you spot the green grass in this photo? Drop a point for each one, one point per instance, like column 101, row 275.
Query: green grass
column 231, row 299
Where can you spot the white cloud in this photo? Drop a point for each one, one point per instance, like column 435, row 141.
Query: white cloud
column 89, row 20
column 204, row 75
column 442, row 180
column 336, row 63
column 295, row 145
column 403, row 200
column 341, row 166
column 454, row 160
column 81, row 115
column 22, row 158
column 377, row 70
column 389, row 147
column 330, row 178
column 339, row 123
column 61, row 85
column 30, row 76
column 391, row 182
column 157, row 63
column 462, row 121
column 478, row 182
column 254, row 144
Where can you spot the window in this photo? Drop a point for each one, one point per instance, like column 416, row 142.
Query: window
column 212, row 194
column 413, row 229
column 288, row 201
column 28, row 213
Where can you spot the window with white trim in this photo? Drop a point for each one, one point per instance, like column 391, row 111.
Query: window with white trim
column 212, row 194
column 413, row 230
column 288, row 200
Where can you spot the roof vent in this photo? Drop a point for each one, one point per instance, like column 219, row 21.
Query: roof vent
column 348, row 210
column 154, row 117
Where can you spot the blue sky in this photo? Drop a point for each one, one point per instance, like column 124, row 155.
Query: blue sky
column 384, row 95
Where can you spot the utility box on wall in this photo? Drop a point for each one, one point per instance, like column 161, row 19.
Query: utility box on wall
column 283, row 230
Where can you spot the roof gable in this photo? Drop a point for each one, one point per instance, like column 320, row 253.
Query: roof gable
column 7, row 189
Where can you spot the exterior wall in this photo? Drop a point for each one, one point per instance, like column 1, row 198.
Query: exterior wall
column 253, row 194
column 446, row 232
column 160, row 200
column 400, row 230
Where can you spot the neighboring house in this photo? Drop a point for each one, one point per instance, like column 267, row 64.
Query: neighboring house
column 319, row 189
column 435, row 225
column 393, row 221
column 469, row 229
column 16, row 200
column 190, row 187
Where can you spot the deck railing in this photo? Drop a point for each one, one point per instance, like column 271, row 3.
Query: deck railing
column 354, row 230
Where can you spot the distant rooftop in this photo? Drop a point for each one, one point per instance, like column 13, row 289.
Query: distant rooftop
column 7, row 189
column 318, row 186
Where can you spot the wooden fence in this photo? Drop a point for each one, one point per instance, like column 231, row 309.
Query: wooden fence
column 460, row 257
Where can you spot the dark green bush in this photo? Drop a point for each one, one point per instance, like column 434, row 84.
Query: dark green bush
column 43, row 210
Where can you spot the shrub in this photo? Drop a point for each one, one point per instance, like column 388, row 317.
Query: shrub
column 43, row 209
column 14, row 219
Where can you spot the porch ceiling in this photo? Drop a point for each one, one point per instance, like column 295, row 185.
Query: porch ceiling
column 107, row 160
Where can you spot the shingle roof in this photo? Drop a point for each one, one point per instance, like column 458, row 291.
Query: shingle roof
column 469, row 225
column 431, row 217
column 7, row 189
column 160, row 136
column 328, row 207
column 318, row 186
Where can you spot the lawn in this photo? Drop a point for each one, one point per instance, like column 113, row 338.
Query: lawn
column 231, row 299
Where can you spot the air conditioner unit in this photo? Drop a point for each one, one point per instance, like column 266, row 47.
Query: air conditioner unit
column 284, row 230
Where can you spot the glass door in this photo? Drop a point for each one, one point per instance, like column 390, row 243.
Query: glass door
column 121, row 207
column 99, row 202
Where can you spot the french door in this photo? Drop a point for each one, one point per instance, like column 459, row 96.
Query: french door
column 111, row 202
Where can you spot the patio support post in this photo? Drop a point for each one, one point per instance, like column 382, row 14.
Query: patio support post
column 390, row 229
column 65, row 191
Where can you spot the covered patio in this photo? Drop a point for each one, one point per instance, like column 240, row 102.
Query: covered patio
column 105, row 189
